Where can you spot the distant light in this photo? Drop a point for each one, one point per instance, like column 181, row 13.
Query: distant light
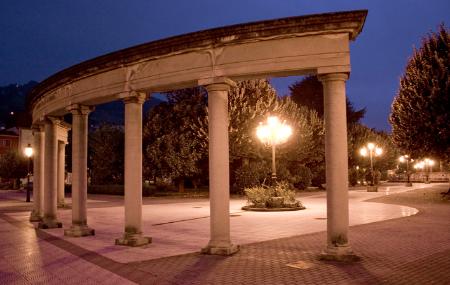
column 12, row 113
column 378, row 151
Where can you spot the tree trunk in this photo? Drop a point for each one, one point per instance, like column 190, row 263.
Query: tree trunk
column 181, row 185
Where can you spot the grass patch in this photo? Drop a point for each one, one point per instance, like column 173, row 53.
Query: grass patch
column 431, row 195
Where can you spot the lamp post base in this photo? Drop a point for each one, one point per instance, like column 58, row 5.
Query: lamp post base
column 372, row 188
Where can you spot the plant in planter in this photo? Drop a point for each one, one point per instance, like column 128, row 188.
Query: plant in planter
column 276, row 197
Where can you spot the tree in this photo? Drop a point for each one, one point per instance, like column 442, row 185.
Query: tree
column 358, row 137
column 420, row 112
column 13, row 166
column 106, row 146
column 173, row 147
column 176, row 132
column 309, row 93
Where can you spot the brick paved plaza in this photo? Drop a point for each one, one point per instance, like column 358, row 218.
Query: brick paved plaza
column 396, row 244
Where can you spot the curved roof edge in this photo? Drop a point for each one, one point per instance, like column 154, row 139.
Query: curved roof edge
column 350, row 21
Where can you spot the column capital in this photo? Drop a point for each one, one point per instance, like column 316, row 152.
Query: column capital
column 78, row 109
column 135, row 97
column 333, row 77
column 36, row 128
column 217, row 83
column 52, row 119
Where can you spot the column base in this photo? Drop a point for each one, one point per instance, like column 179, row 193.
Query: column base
column 79, row 231
column 49, row 224
column 220, row 250
column 135, row 239
column 339, row 253
column 35, row 217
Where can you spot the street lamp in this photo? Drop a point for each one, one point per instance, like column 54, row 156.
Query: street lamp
column 371, row 150
column 428, row 166
column 28, row 153
column 407, row 159
column 273, row 133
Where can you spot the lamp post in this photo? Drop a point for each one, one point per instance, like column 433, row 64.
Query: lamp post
column 428, row 166
column 406, row 158
column 420, row 165
column 28, row 153
column 273, row 133
column 371, row 150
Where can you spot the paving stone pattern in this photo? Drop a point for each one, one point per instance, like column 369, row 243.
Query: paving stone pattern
column 410, row 250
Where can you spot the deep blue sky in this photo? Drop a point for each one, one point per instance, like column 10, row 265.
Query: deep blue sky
column 39, row 38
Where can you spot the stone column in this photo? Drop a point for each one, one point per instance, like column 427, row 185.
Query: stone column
column 79, row 225
column 219, row 188
column 61, row 173
column 336, row 158
column 133, row 173
column 49, row 219
column 38, row 174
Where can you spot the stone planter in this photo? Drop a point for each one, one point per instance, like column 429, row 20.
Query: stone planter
column 275, row 202
column 372, row 188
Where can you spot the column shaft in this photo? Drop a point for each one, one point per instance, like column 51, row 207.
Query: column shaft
column 219, row 188
column 61, row 173
column 50, row 176
column 38, row 175
column 133, row 173
column 79, row 225
column 336, row 157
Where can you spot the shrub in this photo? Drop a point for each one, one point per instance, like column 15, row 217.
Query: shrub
column 250, row 175
column 258, row 195
column 147, row 190
column 106, row 189
column 263, row 196
column 304, row 177
column 353, row 176
column 283, row 189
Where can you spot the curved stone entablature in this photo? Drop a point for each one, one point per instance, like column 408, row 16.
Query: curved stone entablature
column 290, row 46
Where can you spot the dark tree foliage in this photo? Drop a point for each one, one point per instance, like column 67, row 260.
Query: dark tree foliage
column 107, row 155
column 309, row 93
column 172, row 147
column 420, row 113
column 13, row 165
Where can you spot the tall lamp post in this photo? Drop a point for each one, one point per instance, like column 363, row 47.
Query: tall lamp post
column 428, row 167
column 406, row 158
column 420, row 165
column 28, row 153
column 273, row 133
column 371, row 150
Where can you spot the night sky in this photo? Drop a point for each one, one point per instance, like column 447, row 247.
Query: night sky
column 39, row 38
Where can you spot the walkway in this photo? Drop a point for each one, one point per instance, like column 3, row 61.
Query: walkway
column 279, row 248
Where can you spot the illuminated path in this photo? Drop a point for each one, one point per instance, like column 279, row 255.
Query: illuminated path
column 407, row 250
column 179, row 226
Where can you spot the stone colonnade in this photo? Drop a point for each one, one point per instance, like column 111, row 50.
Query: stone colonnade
column 47, row 169
column 49, row 142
